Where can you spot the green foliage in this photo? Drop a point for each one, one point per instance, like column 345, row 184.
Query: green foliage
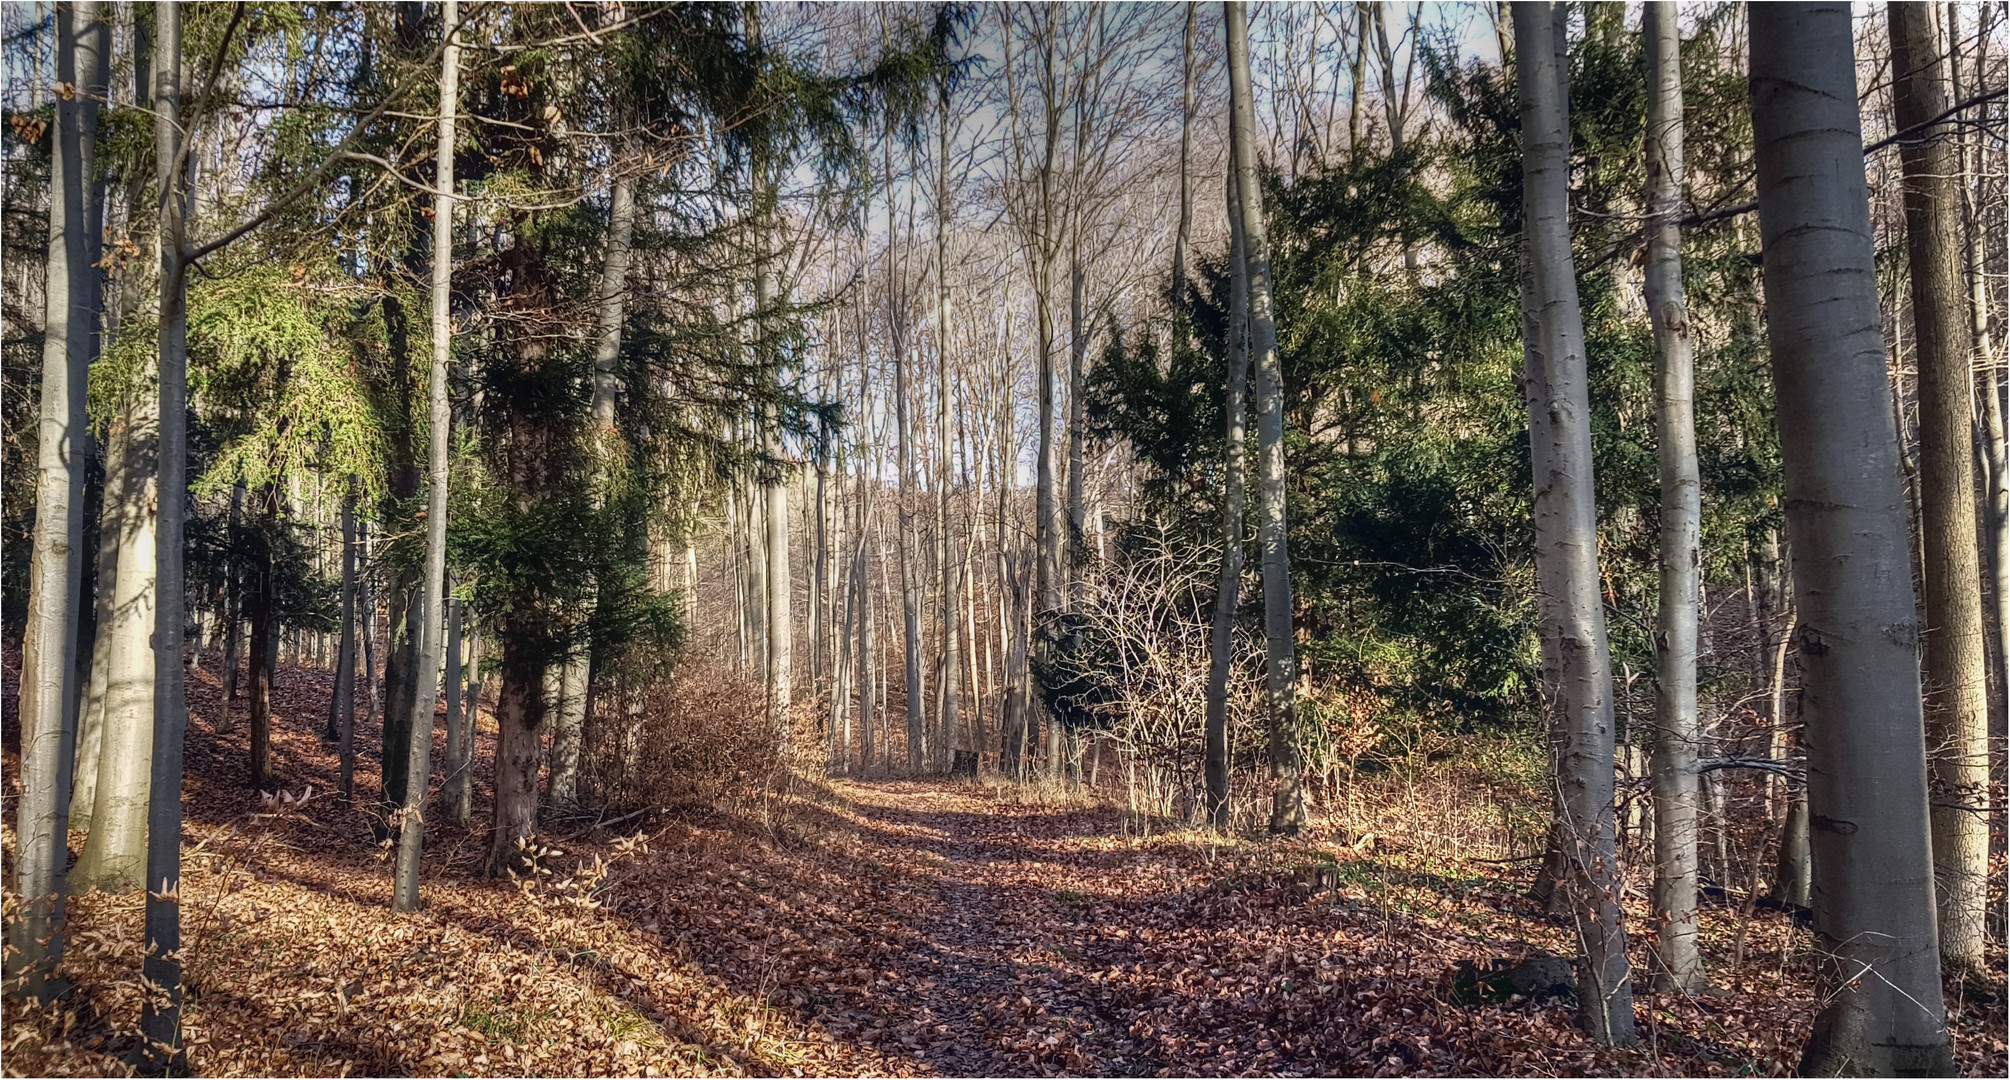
column 260, row 344
column 1406, row 445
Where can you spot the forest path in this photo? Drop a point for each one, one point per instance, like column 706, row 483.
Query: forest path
column 996, row 964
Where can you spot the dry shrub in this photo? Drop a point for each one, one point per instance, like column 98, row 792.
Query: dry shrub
column 698, row 739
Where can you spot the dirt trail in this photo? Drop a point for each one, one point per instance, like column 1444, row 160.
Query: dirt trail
column 995, row 969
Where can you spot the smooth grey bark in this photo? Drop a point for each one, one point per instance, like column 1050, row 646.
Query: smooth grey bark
column 1574, row 616
column 1187, row 96
column 1791, row 868
column 1287, row 811
column 49, row 691
column 1228, row 588
column 1957, row 692
column 1878, row 968
column 160, row 1011
column 115, row 855
column 1677, row 729
column 114, row 510
column 426, row 686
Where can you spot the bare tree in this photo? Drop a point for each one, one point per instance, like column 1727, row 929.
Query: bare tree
column 1677, row 729
column 49, row 684
column 1228, row 590
column 1287, row 812
column 160, row 1015
column 405, row 894
column 1878, row 972
column 1574, row 616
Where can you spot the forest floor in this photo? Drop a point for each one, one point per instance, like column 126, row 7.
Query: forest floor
column 887, row 927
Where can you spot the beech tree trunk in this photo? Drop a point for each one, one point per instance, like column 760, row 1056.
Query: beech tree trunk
column 1228, row 590
column 160, row 1012
column 115, row 856
column 1574, row 615
column 1677, row 730
column 1846, row 523
column 1957, row 692
column 1287, row 811
column 426, row 687
column 49, row 684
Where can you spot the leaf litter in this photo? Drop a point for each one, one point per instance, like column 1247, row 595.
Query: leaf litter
column 839, row 927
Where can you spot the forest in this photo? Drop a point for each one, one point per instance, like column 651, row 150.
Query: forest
column 1004, row 539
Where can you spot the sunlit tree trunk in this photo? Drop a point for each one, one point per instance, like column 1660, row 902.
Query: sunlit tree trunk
column 1676, row 732
column 1287, row 811
column 115, row 857
column 426, row 686
column 1957, row 701
column 1575, row 615
column 1859, row 631
column 49, row 691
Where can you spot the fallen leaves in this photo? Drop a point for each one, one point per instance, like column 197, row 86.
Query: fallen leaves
column 886, row 928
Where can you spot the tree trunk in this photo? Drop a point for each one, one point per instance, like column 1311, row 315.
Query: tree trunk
column 342, row 704
column 1228, row 590
column 945, row 534
column 1957, row 695
column 519, row 713
column 1574, row 616
column 565, row 700
column 233, row 611
column 345, row 667
column 1677, row 730
column 126, row 482
column 114, row 858
column 464, row 800
column 457, row 743
column 1287, row 812
column 1078, row 349
column 160, row 1011
column 372, row 688
column 401, row 630
column 781, row 595
column 49, row 691
column 263, row 635
column 1791, row 872
column 426, row 687
column 910, row 572
column 1859, row 629
column 1187, row 72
